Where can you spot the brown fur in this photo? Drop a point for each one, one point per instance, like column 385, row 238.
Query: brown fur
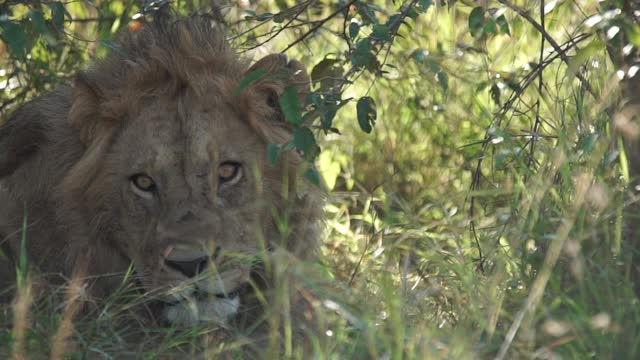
column 165, row 103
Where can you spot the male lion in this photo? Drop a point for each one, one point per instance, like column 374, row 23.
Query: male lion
column 157, row 157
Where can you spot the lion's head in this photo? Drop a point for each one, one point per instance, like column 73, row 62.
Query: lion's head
column 167, row 169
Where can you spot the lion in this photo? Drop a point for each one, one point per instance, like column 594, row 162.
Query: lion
column 156, row 158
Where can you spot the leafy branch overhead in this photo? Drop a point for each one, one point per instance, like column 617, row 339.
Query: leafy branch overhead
column 367, row 31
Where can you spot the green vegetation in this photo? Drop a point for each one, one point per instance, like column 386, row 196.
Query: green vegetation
column 481, row 163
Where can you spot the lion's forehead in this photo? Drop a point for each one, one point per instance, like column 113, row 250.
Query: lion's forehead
column 167, row 136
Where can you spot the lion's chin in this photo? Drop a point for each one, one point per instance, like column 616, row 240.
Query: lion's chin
column 206, row 299
column 210, row 310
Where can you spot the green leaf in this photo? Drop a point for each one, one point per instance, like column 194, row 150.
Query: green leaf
column 392, row 20
column 249, row 79
column 362, row 55
column 490, row 27
column 503, row 24
column 327, row 115
column 38, row 21
column 325, row 72
column 57, row 14
column 367, row 115
column 273, row 153
column 15, row 35
column 278, row 18
column 423, row 5
column 290, row 105
column 304, row 141
column 316, row 98
column 443, row 79
column 354, row 29
column 420, row 55
column 313, row 175
column 476, row 21
column 265, row 16
column 495, row 93
column 412, row 14
column 513, row 84
column 381, row 32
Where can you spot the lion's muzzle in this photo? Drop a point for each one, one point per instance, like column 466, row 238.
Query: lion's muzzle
column 206, row 293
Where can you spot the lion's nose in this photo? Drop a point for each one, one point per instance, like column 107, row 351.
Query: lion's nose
column 190, row 268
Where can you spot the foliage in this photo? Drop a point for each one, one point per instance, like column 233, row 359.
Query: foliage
column 482, row 194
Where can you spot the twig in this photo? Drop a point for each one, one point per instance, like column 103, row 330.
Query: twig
column 319, row 24
column 554, row 44
column 536, row 124
column 94, row 19
column 303, row 7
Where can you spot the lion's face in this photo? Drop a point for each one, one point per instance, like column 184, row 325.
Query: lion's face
column 188, row 177
column 191, row 199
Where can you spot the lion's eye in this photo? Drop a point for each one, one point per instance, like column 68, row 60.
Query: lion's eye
column 143, row 184
column 229, row 173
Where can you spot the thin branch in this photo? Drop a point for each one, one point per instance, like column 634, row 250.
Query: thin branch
column 554, row 44
column 93, row 19
column 286, row 26
column 319, row 24
column 248, row 30
column 536, row 124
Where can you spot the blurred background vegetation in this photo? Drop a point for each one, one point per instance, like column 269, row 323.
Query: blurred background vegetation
column 481, row 157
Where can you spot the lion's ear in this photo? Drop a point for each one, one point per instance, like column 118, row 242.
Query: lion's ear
column 281, row 72
column 85, row 113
